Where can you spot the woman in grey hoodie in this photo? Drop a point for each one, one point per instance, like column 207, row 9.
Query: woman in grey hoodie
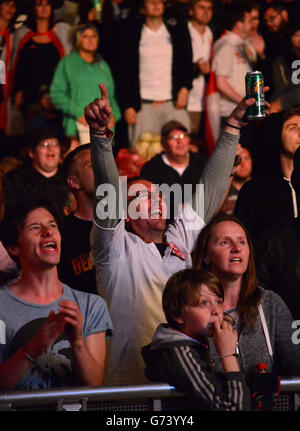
column 266, row 331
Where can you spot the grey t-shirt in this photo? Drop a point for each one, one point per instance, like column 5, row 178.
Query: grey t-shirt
column 19, row 322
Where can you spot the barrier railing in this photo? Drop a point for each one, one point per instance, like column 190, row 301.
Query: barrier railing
column 147, row 397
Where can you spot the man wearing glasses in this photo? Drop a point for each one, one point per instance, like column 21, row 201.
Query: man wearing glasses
column 176, row 164
column 41, row 174
column 276, row 19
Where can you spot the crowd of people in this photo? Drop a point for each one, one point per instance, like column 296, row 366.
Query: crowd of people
column 149, row 231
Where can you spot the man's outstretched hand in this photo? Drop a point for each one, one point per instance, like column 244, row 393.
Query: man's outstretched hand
column 237, row 117
column 98, row 113
column 239, row 112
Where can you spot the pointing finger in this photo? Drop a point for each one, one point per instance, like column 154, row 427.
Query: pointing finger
column 103, row 92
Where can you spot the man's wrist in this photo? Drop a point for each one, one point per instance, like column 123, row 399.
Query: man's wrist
column 233, row 126
column 103, row 132
column 29, row 354
column 77, row 343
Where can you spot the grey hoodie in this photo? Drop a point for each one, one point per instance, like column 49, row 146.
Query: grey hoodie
column 183, row 362
column 253, row 347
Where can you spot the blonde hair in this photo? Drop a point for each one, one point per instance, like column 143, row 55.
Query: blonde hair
column 77, row 31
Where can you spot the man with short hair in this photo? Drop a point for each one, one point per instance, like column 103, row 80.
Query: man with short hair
column 136, row 251
column 155, row 71
column 75, row 267
column 276, row 17
column 51, row 336
column 200, row 12
column 231, row 62
column 268, row 200
column 41, row 176
column 276, row 20
column 277, row 252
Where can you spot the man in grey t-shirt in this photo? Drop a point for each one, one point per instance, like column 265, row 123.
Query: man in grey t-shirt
column 50, row 335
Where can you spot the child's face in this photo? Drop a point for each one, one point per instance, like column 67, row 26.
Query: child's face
column 198, row 321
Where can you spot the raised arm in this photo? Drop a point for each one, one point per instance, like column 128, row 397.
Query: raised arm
column 218, row 168
column 98, row 115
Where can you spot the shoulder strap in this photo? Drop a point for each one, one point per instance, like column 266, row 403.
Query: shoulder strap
column 265, row 329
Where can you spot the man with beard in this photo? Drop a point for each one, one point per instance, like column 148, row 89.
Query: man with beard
column 276, row 19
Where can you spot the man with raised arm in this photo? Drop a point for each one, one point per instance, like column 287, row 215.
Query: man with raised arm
column 136, row 253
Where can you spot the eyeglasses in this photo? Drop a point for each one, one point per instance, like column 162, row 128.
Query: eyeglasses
column 48, row 144
column 272, row 18
column 176, row 137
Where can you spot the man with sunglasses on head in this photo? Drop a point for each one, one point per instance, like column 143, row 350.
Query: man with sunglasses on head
column 133, row 247
column 41, row 173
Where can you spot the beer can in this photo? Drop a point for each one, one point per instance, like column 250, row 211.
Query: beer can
column 255, row 88
column 98, row 6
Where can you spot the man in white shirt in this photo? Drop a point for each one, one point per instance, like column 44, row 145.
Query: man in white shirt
column 155, row 72
column 230, row 62
column 201, row 12
column 135, row 254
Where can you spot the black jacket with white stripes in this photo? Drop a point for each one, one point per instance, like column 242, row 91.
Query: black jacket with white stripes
column 183, row 362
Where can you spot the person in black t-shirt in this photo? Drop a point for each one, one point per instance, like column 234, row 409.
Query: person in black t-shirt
column 40, row 175
column 176, row 164
column 75, row 267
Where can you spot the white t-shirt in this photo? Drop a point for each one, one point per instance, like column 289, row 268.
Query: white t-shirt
column 167, row 162
column 155, row 53
column 132, row 275
column 230, row 60
column 201, row 45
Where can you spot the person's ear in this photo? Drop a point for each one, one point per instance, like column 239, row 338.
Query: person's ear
column 179, row 320
column 31, row 153
column 13, row 250
column 284, row 15
column 73, row 182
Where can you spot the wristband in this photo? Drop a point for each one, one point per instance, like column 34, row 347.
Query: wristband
column 234, row 127
column 105, row 133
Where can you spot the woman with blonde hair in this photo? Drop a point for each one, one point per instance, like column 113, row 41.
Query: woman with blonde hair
column 76, row 80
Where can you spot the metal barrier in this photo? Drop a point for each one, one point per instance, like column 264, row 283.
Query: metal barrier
column 145, row 397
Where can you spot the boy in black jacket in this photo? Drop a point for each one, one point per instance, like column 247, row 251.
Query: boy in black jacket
column 179, row 352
